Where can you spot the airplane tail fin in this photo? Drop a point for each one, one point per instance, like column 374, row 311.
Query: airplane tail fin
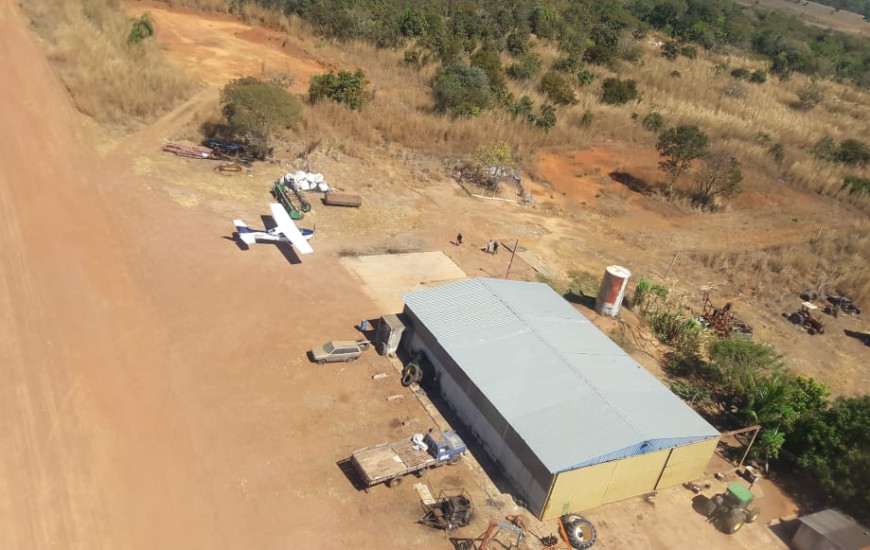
column 245, row 233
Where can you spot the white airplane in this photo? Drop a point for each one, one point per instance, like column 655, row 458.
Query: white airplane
column 285, row 231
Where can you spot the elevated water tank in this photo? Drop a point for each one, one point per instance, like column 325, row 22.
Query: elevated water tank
column 612, row 290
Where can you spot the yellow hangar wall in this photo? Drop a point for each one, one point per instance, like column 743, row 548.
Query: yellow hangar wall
column 589, row 487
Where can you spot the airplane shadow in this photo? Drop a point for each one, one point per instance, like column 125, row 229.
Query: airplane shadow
column 235, row 238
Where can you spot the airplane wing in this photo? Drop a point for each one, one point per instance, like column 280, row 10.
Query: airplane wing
column 289, row 229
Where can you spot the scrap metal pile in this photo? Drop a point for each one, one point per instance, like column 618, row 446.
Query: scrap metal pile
column 723, row 321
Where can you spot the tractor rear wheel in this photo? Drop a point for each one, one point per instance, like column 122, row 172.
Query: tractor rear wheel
column 752, row 515
column 733, row 520
column 581, row 534
column 704, row 505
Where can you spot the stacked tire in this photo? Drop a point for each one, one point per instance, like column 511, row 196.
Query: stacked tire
column 580, row 531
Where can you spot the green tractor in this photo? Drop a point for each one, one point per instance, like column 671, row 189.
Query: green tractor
column 730, row 510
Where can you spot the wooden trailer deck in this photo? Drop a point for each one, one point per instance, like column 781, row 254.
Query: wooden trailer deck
column 390, row 460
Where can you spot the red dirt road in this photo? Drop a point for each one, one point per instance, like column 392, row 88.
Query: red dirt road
column 155, row 391
column 82, row 464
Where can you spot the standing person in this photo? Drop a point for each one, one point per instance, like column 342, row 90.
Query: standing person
column 458, row 239
column 489, row 247
column 495, row 247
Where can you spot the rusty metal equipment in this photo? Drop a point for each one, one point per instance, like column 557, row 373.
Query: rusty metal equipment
column 453, row 509
column 493, row 534
column 723, row 321
column 807, row 318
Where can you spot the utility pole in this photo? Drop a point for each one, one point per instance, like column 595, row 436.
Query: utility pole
column 513, row 252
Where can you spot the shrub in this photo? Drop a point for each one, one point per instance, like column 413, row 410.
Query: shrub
column 462, row 90
column 143, row 27
column 689, row 51
column 673, row 328
column 741, row 73
column 567, row 64
column 654, row 122
column 587, row 118
column 557, row 88
column 825, row 149
column 853, row 152
column 547, row 118
column 524, row 108
column 254, row 109
column 617, row 92
column 809, row 97
column 344, row 87
column 758, row 77
column 777, row 152
column 585, row 78
column 527, row 68
column 676, row 74
column 518, row 44
column 412, row 57
column 856, row 185
column 670, row 50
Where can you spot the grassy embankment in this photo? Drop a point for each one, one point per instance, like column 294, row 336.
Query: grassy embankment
column 109, row 80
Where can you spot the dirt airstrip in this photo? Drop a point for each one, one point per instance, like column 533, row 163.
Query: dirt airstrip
column 155, row 390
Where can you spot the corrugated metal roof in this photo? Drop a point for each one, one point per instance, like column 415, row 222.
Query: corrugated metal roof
column 839, row 529
column 572, row 394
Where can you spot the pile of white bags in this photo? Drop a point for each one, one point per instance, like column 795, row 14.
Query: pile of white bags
column 306, row 181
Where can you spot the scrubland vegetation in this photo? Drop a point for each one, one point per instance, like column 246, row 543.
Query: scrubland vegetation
column 746, row 383
column 113, row 70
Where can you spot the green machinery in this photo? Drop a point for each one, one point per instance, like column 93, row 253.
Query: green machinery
column 290, row 198
column 730, row 510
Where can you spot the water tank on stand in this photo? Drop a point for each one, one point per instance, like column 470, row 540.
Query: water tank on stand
column 612, row 290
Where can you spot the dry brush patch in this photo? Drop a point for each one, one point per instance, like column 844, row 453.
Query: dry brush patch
column 108, row 79
column 836, row 261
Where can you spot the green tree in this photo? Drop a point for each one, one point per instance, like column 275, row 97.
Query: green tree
column 254, row 109
column 679, row 147
column 143, row 27
column 617, row 92
column 345, row 88
column 720, row 177
column 492, row 162
column 833, row 449
column 462, row 90
column 489, row 61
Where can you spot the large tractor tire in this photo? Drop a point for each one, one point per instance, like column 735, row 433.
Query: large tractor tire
column 733, row 520
column 705, row 506
column 581, row 534
column 752, row 515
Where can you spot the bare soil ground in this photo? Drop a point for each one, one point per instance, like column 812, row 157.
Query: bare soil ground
column 156, row 389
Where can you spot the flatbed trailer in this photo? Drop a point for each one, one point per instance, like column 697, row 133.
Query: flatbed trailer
column 390, row 462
